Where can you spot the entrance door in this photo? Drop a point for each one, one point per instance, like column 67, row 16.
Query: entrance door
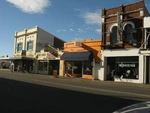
column 77, row 68
column 53, row 65
column 110, row 72
column 148, row 70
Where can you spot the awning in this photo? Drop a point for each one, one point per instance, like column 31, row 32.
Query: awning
column 78, row 56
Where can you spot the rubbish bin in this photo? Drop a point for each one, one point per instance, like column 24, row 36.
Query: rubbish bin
column 55, row 73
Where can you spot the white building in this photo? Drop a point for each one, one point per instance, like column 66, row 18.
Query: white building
column 27, row 47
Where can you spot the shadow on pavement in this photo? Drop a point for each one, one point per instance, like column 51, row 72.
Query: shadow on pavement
column 21, row 97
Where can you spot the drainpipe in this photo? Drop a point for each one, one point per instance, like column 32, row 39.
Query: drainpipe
column 93, row 69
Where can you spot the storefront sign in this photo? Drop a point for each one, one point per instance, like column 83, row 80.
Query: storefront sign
column 42, row 54
column 23, row 53
column 126, row 65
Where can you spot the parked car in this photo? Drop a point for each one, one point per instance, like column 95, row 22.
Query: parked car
column 143, row 107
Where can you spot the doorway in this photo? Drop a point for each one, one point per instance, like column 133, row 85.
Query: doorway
column 53, row 65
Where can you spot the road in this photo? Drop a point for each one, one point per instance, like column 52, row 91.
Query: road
column 33, row 93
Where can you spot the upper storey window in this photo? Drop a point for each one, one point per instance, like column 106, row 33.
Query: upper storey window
column 129, row 29
column 19, row 47
column 148, row 38
column 30, row 45
column 114, row 35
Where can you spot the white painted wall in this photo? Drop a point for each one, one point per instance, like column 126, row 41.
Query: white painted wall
column 121, row 53
column 37, row 35
column 146, row 22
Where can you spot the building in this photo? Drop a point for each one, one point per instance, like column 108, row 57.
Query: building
column 144, row 50
column 35, row 50
column 81, row 58
column 123, row 36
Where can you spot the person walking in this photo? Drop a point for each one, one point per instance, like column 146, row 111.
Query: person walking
column 12, row 67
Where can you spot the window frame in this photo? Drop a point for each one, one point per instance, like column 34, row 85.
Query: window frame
column 117, row 38
column 29, row 48
column 19, row 46
column 128, row 36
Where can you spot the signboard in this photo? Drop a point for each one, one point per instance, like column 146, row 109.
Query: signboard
column 126, row 65
column 77, row 43
column 23, row 53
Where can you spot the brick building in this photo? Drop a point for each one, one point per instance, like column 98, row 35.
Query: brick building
column 123, row 35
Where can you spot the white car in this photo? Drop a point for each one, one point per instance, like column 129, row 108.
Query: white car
column 143, row 107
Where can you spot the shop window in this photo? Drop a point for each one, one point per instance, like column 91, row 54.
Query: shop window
column 74, row 67
column 87, row 68
column 30, row 45
column 42, row 65
column 19, row 47
column 127, row 67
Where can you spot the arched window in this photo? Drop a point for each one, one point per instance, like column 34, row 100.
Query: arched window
column 129, row 28
column 114, row 34
column 148, row 38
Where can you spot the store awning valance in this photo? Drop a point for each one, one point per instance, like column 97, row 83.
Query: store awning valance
column 78, row 56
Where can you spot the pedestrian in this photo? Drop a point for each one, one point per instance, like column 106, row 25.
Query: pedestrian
column 12, row 67
column 18, row 68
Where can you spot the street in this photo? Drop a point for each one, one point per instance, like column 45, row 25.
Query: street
column 33, row 93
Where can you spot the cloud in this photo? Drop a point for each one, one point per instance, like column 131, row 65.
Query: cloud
column 61, row 30
column 98, row 31
column 93, row 18
column 31, row 6
column 80, row 30
column 71, row 29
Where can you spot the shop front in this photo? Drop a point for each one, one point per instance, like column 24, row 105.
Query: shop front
column 127, row 66
column 47, row 63
column 23, row 64
column 78, row 64
column 120, row 68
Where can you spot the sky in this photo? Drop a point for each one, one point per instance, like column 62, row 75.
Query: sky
column 67, row 19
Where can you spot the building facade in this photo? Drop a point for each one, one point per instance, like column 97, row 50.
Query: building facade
column 82, row 58
column 123, row 36
column 35, row 48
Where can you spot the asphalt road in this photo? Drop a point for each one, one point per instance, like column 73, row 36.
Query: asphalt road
column 31, row 93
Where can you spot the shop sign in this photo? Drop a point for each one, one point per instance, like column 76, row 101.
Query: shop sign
column 49, row 55
column 77, row 43
column 126, row 65
column 41, row 54
column 23, row 53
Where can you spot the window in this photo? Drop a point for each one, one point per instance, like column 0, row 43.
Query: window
column 19, row 47
column 114, row 34
column 148, row 37
column 87, row 68
column 129, row 29
column 123, row 67
column 43, row 65
column 128, row 33
column 30, row 45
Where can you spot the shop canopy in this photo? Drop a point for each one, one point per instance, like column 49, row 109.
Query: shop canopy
column 77, row 56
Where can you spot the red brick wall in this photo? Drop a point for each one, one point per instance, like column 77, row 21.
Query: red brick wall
column 130, row 13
